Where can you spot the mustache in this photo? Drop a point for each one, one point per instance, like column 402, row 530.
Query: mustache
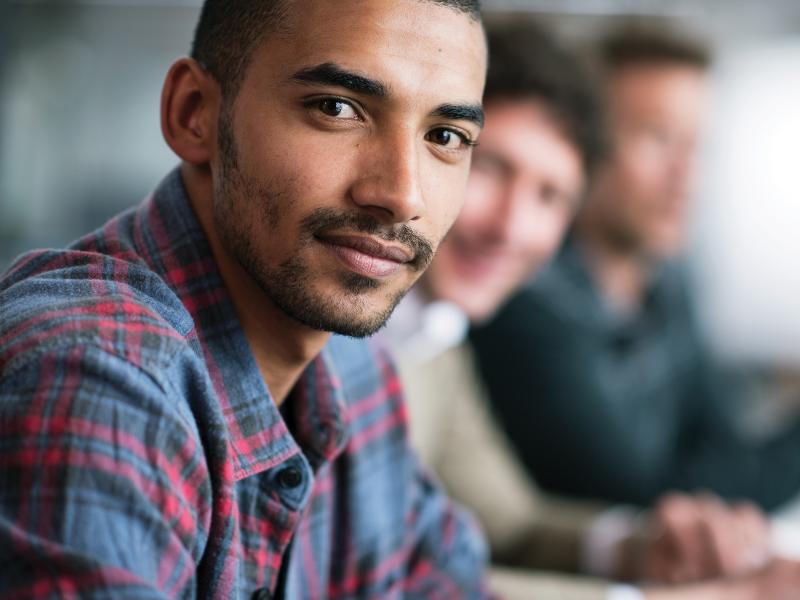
column 323, row 219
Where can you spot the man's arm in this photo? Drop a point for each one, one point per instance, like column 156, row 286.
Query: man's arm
column 95, row 497
column 780, row 580
column 448, row 558
column 714, row 453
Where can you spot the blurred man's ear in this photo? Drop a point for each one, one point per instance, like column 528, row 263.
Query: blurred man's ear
column 189, row 110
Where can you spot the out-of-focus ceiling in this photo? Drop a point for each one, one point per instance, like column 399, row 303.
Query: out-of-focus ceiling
column 778, row 8
column 719, row 17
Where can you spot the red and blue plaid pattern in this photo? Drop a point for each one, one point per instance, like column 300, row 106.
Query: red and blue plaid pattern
column 141, row 455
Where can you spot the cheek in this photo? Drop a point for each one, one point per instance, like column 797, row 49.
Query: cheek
column 542, row 227
column 530, row 258
column 623, row 191
column 535, row 252
column 481, row 205
column 470, row 216
column 550, row 240
column 481, row 187
column 641, row 171
column 314, row 165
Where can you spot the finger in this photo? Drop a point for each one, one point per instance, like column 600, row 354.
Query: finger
column 660, row 562
column 721, row 538
column 682, row 538
column 754, row 532
column 736, row 537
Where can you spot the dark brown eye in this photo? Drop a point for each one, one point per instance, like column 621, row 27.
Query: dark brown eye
column 448, row 138
column 443, row 137
column 331, row 107
column 336, row 108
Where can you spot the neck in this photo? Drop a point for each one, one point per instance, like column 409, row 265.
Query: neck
column 621, row 274
column 282, row 347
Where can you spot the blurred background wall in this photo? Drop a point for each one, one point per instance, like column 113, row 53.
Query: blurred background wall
column 80, row 83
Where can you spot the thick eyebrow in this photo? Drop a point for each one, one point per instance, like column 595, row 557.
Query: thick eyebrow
column 460, row 112
column 333, row 74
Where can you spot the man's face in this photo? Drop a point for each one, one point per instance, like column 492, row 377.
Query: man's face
column 344, row 157
column 640, row 197
column 523, row 189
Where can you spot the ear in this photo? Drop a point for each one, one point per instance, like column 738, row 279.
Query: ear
column 189, row 110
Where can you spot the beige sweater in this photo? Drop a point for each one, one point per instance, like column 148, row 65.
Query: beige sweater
column 457, row 438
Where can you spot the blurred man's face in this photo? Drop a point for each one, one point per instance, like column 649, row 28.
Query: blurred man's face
column 523, row 188
column 639, row 199
column 344, row 158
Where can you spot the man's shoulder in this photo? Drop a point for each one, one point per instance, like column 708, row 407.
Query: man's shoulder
column 53, row 299
column 562, row 295
column 443, row 377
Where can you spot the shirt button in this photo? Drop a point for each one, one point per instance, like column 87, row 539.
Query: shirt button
column 261, row 594
column 290, row 478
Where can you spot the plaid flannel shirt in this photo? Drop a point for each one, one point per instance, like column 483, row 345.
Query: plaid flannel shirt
column 141, row 455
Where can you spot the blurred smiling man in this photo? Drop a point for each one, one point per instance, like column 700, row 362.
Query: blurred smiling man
column 175, row 420
column 600, row 371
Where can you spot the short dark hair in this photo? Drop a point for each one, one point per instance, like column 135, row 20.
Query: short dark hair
column 640, row 43
column 229, row 31
column 527, row 62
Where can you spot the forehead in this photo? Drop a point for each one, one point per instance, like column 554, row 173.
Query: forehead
column 412, row 46
column 526, row 132
column 526, row 114
column 658, row 89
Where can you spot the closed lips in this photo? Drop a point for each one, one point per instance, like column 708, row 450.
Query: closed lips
column 369, row 246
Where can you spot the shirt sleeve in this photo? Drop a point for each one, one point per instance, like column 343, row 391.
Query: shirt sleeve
column 101, row 485
column 449, row 555
column 446, row 556
column 624, row 592
column 604, row 537
column 713, row 452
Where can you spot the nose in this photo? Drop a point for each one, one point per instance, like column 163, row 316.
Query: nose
column 389, row 185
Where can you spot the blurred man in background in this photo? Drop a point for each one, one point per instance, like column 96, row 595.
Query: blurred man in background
column 598, row 371
column 542, row 138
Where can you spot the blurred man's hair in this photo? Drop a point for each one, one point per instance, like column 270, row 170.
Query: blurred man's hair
column 526, row 62
column 229, row 31
column 637, row 43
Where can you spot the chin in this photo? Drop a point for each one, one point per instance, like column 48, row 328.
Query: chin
column 361, row 319
column 346, row 322
column 357, row 310
column 481, row 314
